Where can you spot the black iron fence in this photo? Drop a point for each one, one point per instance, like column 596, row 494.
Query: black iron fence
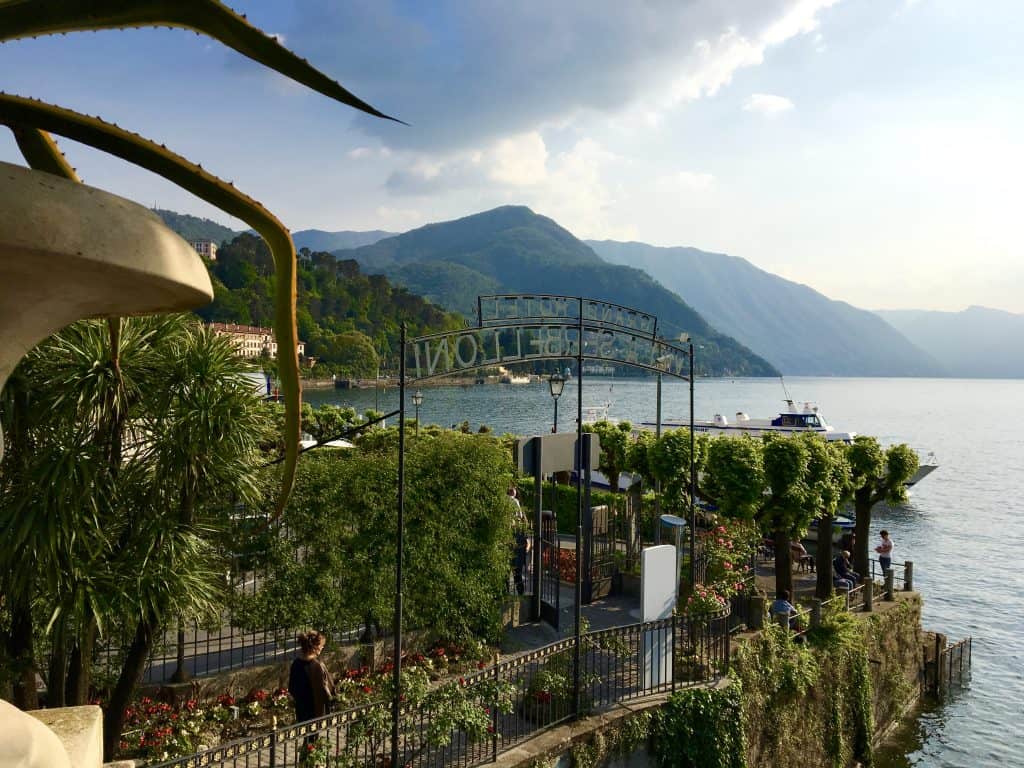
column 513, row 701
column 951, row 669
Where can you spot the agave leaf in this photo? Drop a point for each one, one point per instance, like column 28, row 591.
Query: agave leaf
column 30, row 18
column 24, row 115
column 42, row 153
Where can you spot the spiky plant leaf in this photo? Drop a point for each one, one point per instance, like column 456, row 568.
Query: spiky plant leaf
column 30, row 18
column 24, row 114
column 42, row 153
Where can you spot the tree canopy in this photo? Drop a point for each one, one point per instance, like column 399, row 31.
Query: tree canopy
column 347, row 319
column 342, row 518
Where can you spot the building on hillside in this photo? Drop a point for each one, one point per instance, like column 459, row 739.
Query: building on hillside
column 252, row 341
column 206, row 248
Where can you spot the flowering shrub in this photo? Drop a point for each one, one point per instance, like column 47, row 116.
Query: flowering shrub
column 727, row 549
column 159, row 731
column 315, row 753
column 706, row 599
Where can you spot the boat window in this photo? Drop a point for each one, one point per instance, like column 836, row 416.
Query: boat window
column 812, row 421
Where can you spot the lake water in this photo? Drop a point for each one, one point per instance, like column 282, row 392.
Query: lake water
column 964, row 526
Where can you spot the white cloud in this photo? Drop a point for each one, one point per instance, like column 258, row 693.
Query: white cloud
column 690, row 180
column 519, row 160
column 767, row 104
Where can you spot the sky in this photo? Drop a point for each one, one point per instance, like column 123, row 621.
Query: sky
column 872, row 149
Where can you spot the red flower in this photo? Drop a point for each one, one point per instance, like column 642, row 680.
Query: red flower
column 481, row 665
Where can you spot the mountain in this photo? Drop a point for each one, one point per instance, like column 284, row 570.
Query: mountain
column 976, row 343
column 195, row 228
column 514, row 250
column 798, row 329
column 319, row 240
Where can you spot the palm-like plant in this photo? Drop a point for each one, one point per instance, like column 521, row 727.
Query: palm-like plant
column 135, row 436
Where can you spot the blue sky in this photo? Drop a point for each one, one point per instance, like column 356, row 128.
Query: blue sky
column 870, row 149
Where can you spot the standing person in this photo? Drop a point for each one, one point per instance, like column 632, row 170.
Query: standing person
column 522, row 541
column 884, row 551
column 309, row 682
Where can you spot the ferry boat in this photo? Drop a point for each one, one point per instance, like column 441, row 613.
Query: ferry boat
column 792, row 420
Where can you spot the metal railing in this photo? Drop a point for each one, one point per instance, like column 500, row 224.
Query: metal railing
column 899, row 573
column 952, row 667
column 522, row 696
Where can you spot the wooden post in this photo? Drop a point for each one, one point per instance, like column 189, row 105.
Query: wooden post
column 816, row 612
column 869, row 593
column 908, row 576
column 889, row 596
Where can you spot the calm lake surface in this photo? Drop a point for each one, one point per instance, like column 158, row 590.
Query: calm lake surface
column 963, row 528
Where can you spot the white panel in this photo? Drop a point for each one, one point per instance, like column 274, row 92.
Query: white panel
column 658, row 582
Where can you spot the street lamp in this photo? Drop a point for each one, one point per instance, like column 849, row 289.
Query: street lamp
column 556, row 384
column 417, row 400
column 660, row 363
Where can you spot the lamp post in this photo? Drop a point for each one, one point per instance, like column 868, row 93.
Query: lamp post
column 417, row 401
column 661, row 363
column 556, row 384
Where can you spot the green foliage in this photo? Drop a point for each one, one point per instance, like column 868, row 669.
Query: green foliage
column 638, row 456
column 349, row 320
column 877, row 475
column 195, row 228
column 822, row 687
column 669, row 459
column 614, row 443
column 735, row 476
column 343, row 517
column 701, row 728
column 165, row 430
column 561, row 499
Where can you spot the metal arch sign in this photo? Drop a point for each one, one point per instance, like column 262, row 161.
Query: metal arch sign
column 497, row 310
column 529, row 327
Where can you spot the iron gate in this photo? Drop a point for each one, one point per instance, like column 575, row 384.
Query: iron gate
column 598, row 553
column 549, row 558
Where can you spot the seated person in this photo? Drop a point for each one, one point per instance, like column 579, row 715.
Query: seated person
column 798, row 554
column 842, row 568
column 839, row 582
column 782, row 607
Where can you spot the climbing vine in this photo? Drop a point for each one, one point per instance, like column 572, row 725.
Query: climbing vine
column 822, row 684
column 701, row 728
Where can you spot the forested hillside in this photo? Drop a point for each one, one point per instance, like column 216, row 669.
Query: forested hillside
column 346, row 318
column 194, row 228
column 514, row 250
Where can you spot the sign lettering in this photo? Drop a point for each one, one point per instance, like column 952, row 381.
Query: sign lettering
column 472, row 348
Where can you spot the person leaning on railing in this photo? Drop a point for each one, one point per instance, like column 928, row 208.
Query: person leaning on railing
column 782, row 607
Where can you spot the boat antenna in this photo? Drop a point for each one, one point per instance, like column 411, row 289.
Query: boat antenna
column 785, row 391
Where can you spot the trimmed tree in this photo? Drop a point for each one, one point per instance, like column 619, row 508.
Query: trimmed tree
column 877, row 475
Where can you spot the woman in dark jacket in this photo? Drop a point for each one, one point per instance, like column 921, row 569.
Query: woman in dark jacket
column 309, row 682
